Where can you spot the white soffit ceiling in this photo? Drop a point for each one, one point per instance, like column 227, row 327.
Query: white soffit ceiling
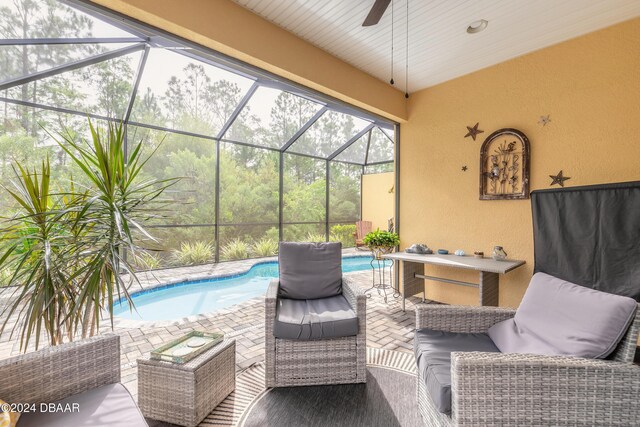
column 439, row 47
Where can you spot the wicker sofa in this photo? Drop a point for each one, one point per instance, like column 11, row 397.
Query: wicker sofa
column 523, row 389
column 85, row 373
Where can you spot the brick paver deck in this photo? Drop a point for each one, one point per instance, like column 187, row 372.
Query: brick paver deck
column 387, row 325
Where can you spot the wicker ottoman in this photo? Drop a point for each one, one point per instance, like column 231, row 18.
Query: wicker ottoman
column 185, row 394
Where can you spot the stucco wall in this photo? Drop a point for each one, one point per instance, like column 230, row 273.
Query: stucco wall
column 589, row 86
column 378, row 198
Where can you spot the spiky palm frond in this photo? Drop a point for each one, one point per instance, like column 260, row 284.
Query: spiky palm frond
column 66, row 251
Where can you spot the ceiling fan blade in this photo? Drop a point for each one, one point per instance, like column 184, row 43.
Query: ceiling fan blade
column 376, row 12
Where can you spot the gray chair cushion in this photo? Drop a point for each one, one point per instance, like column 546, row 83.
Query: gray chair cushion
column 330, row 317
column 557, row 317
column 433, row 357
column 310, row 270
column 107, row 406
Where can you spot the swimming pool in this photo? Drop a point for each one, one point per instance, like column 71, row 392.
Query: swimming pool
column 185, row 299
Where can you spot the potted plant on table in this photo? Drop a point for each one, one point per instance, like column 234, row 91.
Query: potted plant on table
column 381, row 242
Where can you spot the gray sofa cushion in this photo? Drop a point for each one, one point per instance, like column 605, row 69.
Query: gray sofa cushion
column 433, row 357
column 107, row 406
column 330, row 317
column 557, row 317
column 310, row 270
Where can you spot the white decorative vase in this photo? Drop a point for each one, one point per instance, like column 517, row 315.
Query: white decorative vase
column 499, row 254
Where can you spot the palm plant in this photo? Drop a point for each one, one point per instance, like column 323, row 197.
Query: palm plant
column 34, row 255
column 66, row 251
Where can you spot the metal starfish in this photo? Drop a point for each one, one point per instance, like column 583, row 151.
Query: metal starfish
column 473, row 131
column 464, row 168
column 544, row 120
column 558, row 179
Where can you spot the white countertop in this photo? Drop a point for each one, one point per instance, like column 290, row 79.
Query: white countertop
column 466, row 262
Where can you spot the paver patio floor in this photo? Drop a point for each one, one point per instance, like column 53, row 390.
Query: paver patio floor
column 387, row 325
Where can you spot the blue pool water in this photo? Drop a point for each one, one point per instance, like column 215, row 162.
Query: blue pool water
column 204, row 296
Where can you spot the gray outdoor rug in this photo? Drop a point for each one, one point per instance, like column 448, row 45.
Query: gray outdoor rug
column 387, row 399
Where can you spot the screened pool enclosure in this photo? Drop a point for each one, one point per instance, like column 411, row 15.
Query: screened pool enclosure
column 259, row 159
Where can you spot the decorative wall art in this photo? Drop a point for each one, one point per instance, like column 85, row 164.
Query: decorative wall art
column 544, row 120
column 504, row 166
column 473, row 131
column 558, row 179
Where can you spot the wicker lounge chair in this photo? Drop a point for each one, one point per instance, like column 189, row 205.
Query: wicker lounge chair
column 85, row 373
column 315, row 349
column 524, row 389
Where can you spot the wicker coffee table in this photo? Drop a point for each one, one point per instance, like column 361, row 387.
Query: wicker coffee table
column 185, row 394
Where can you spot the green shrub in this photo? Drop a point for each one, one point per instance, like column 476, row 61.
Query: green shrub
column 343, row 233
column 273, row 233
column 194, row 253
column 235, row 249
column 265, row 247
column 381, row 238
column 315, row 237
column 146, row 261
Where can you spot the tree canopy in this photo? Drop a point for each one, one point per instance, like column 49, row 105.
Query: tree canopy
column 189, row 98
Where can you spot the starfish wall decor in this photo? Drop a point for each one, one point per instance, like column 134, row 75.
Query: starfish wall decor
column 464, row 168
column 473, row 131
column 558, row 179
column 544, row 120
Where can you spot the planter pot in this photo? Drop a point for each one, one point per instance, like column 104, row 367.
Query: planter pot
column 378, row 251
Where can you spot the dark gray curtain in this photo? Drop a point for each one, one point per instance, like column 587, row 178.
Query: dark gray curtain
column 590, row 236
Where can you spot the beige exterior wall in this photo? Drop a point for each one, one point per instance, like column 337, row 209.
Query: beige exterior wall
column 589, row 86
column 378, row 198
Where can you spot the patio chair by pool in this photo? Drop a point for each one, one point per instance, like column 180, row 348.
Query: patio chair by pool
column 362, row 229
column 314, row 319
column 565, row 357
column 85, row 373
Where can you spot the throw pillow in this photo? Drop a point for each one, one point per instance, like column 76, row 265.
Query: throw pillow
column 557, row 317
column 310, row 270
